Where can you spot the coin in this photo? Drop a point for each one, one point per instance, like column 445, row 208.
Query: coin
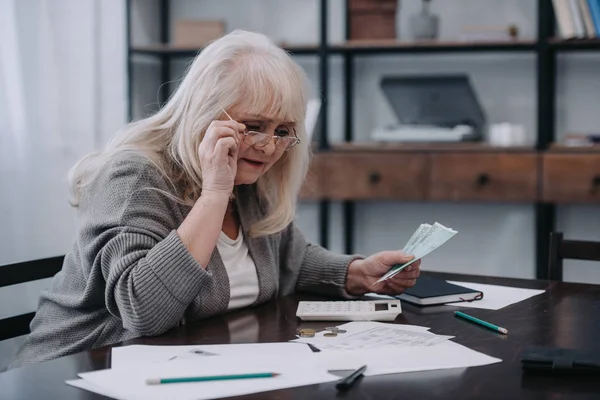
column 307, row 333
column 340, row 331
column 330, row 334
column 332, row 328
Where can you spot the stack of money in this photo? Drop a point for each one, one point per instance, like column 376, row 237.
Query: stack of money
column 425, row 239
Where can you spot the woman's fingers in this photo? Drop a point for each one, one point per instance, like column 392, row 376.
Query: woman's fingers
column 393, row 257
column 403, row 280
column 395, row 288
column 221, row 129
column 408, row 273
column 226, row 147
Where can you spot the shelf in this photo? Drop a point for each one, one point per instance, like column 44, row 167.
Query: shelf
column 426, row 147
column 574, row 44
column 475, row 147
column 393, row 47
column 362, row 47
column 164, row 50
column 175, row 51
column 561, row 148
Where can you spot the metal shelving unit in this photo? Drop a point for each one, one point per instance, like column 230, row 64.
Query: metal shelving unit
column 545, row 48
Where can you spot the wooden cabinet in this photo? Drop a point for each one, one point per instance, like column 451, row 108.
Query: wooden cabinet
column 571, row 178
column 456, row 175
column 503, row 177
column 367, row 176
column 494, row 176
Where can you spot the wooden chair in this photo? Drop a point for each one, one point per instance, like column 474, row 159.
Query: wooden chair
column 14, row 274
column 561, row 249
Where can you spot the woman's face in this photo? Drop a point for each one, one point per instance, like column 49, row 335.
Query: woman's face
column 256, row 159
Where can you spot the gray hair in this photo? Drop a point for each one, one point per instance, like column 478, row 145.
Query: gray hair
column 241, row 69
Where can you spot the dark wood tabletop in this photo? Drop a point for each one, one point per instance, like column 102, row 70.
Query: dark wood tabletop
column 566, row 315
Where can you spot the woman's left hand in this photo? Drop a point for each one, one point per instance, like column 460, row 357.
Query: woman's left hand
column 362, row 274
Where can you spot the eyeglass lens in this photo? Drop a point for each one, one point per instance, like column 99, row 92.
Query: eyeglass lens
column 284, row 137
column 259, row 139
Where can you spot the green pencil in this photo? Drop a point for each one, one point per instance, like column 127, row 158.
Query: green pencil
column 160, row 381
column 480, row 322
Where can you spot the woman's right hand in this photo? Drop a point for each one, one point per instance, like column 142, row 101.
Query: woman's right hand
column 218, row 156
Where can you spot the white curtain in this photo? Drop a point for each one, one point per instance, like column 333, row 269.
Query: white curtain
column 63, row 71
column 62, row 94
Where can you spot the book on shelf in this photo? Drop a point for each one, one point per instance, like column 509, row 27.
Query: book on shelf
column 594, row 6
column 586, row 15
column 581, row 139
column 580, row 31
column 577, row 19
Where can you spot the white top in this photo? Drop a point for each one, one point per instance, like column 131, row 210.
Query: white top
column 243, row 280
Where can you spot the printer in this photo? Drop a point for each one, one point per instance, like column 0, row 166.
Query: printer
column 437, row 108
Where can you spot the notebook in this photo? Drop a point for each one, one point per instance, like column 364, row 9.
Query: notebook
column 561, row 360
column 433, row 291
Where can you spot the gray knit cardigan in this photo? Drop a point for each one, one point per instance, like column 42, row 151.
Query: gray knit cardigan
column 129, row 275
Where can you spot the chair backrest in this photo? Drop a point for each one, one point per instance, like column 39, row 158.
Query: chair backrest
column 23, row 272
column 561, row 249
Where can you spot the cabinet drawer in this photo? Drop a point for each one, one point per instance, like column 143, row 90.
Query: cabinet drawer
column 367, row 176
column 484, row 177
column 571, row 178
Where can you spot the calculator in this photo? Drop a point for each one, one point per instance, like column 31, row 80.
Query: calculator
column 353, row 310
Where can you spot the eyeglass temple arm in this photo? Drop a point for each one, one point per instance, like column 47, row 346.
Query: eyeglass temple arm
column 228, row 116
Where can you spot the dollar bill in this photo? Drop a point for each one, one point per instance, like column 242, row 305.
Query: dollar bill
column 437, row 235
column 426, row 239
column 421, row 230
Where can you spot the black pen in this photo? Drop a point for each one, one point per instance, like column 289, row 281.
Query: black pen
column 314, row 348
column 348, row 381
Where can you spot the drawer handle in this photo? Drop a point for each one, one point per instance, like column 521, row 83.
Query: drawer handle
column 374, row 178
column 595, row 183
column 483, row 179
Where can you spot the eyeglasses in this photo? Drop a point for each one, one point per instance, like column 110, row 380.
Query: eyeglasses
column 258, row 139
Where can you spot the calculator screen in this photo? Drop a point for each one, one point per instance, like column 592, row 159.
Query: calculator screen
column 381, row 307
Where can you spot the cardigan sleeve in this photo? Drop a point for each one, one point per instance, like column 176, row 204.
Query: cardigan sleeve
column 308, row 267
column 128, row 228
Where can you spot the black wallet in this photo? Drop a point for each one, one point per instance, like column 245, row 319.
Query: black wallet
column 560, row 360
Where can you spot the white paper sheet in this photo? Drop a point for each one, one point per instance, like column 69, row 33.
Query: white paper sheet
column 357, row 326
column 495, row 297
column 390, row 360
column 369, row 335
column 130, row 356
column 377, row 296
column 131, row 384
column 83, row 384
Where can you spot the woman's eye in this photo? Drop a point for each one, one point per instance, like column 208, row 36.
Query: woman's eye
column 282, row 132
column 251, row 127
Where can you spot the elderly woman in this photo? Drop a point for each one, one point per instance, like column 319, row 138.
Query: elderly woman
column 189, row 213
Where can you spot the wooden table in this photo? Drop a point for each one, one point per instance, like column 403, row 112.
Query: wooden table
column 566, row 315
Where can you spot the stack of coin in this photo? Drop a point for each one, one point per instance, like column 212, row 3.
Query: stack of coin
column 333, row 331
column 306, row 333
